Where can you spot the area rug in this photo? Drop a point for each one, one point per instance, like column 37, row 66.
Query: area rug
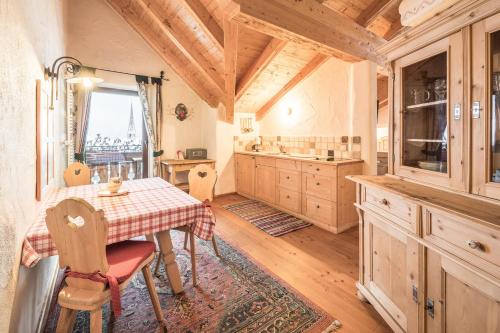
column 271, row 220
column 234, row 295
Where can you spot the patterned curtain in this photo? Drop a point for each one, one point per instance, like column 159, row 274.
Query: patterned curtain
column 151, row 101
column 82, row 102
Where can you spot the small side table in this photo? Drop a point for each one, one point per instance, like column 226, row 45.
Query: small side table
column 170, row 168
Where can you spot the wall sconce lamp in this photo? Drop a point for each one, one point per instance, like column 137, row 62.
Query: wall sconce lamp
column 80, row 74
column 290, row 111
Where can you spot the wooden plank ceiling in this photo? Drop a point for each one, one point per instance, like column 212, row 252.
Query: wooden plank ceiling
column 247, row 54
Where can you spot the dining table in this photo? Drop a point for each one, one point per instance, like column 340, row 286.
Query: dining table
column 151, row 206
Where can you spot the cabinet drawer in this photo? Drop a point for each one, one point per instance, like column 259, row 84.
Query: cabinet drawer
column 319, row 210
column 393, row 207
column 288, row 179
column 267, row 161
column 288, row 199
column 462, row 237
column 319, row 186
column 287, row 164
column 319, row 169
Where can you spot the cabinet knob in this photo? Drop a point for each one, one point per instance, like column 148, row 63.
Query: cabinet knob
column 288, row 197
column 317, row 206
column 475, row 244
column 384, row 202
column 317, row 169
column 287, row 177
column 317, row 183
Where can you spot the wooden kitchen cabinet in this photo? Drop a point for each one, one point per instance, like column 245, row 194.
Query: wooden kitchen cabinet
column 429, row 124
column 486, row 107
column 265, row 183
column 315, row 191
column 245, row 175
column 390, row 271
column 458, row 299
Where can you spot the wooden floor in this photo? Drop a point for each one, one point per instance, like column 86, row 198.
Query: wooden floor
column 319, row 264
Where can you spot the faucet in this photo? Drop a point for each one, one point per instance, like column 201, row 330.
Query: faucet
column 282, row 149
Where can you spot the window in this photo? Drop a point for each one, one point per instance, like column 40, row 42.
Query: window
column 114, row 139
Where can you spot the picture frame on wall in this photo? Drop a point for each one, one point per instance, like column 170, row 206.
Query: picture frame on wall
column 44, row 142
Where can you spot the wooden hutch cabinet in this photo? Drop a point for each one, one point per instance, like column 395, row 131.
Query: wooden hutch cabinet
column 430, row 230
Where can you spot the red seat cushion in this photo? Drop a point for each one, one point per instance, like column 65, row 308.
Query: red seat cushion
column 125, row 257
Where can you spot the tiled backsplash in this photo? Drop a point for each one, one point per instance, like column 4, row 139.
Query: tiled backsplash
column 343, row 146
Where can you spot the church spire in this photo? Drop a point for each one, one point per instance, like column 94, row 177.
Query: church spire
column 131, row 125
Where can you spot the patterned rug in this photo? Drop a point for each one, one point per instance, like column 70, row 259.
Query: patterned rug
column 271, row 220
column 233, row 295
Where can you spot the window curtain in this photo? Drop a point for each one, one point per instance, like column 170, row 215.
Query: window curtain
column 152, row 107
column 82, row 102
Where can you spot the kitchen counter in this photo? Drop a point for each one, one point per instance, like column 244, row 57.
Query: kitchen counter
column 305, row 158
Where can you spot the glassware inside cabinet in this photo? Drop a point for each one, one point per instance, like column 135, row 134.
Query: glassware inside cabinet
column 425, row 114
column 495, row 106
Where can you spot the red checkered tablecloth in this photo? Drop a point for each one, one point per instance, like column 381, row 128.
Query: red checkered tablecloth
column 152, row 205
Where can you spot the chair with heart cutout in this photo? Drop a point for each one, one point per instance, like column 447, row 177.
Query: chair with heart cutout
column 77, row 174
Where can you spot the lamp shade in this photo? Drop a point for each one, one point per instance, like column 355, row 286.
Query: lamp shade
column 84, row 75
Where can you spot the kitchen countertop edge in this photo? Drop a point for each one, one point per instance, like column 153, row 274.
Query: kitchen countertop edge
column 346, row 161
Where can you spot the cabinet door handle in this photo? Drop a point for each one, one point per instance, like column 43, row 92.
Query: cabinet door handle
column 288, row 197
column 429, row 307
column 475, row 245
column 317, row 206
column 317, row 183
column 287, row 177
column 384, row 202
column 317, row 169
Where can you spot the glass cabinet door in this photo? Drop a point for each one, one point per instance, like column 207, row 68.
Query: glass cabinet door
column 429, row 127
column 425, row 114
column 485, row 108
column 494, row 93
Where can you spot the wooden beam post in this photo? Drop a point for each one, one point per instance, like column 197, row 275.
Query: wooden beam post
column 230, row 63
column 154, row 11
column 272, row 49
column 131, row 13
column 312, row 25
column 212, row 29
column 308, row 69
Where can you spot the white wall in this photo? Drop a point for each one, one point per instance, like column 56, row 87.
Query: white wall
column 32, row 36
column 338, row 99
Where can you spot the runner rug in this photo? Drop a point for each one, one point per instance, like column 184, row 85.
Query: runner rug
column 234, row 295
column 271, row 220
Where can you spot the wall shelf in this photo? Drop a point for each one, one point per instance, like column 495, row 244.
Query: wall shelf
column 423, row 105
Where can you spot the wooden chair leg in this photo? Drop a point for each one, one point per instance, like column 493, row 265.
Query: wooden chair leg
column 96, row 321
column 66, row 320
column 193, row 257
column 146, row 271
column 158, row 262
column 186, row 236
column 216, row 249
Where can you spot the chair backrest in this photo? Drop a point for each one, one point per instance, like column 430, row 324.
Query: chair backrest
column 77, row 174
column 80, row 234
column 202, row 180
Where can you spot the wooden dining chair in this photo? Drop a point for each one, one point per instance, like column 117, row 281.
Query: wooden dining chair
column 77, row 174
column 95, row 273
column 202, row 179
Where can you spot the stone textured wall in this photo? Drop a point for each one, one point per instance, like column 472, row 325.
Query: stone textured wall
column 31, row 37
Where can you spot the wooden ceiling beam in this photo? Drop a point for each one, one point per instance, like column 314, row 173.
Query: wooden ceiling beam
column 309, row 23
column 155, row 12
column 230, row 65
column 167, row 51
column 272, row 49
column 374, row 10
column 395, row 29
column 207, row 22
column 308, row 69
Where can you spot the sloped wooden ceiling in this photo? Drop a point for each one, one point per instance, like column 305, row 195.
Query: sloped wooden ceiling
column 247, row 54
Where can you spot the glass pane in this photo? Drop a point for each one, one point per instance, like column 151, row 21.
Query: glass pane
column 495, row 107
column 425, row 125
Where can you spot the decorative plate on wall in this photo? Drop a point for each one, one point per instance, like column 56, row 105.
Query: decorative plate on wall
column 181, row 112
